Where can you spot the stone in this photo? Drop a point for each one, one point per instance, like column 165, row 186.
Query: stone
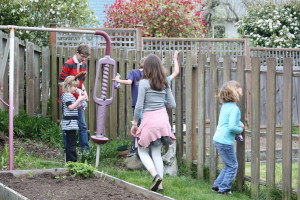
column 170, row 161
column 133, row 163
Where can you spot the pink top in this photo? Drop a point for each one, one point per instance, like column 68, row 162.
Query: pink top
column 155, row 124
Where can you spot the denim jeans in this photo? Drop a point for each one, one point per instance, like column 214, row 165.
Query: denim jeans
column 82, row 133
column 228, row 173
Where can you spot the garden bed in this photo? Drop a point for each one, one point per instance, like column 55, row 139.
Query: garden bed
column 57, row 184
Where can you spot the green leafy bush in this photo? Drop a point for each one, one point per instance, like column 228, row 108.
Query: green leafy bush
column 276, row 26
column 38, row 128
column 83, row 170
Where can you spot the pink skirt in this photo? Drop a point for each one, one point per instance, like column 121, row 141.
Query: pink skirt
column 155, row 124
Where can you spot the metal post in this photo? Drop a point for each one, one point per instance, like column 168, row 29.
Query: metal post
column 11, row 97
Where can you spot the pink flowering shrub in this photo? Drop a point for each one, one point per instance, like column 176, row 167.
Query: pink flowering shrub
column 160, row 18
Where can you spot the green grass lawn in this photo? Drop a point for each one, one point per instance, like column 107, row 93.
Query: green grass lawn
column 278, row 173
column 181, row 187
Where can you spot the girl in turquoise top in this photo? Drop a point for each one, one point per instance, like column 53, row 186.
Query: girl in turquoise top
column 229, row 126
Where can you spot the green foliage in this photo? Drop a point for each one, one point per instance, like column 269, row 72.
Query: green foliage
column 83, row 170
column 41, row 13
column 107, row 151
column 275, row 26
column 160, row 18
column 39, row 128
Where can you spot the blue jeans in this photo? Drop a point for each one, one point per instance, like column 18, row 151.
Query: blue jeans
column 228, row 173
column 82, row 133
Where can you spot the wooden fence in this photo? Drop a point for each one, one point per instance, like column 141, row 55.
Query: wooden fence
column 195, row 92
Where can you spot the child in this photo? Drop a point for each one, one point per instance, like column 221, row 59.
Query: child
column 74, row 66
column 153, row 97
column 133, row 79
column 70, row 116
column 228, row 126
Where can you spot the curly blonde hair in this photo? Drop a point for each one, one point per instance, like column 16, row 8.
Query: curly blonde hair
column 69, row 82
column 229, row 92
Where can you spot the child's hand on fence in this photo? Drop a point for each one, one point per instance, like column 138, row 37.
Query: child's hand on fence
column 175, row 57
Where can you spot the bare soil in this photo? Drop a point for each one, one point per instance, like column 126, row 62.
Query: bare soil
column 47, row 186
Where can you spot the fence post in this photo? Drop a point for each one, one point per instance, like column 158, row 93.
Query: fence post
column 248, row 80
column 240, row 74
column 179, row 110
column 29, row 78
column 287, row 129
column 188, row 118
column 53, row 83
column 213, row 115
column 139, row 34
column 271, row 122
column 201, row 115
column 255, row 128
column 52, row 40
column 45, row 79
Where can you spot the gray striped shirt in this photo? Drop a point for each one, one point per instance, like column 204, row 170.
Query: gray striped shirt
column 70, row 117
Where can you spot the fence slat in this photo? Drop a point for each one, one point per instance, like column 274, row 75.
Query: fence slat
column 90, row 91
column 16, row 76
column 194, row 105
column 29, row 79
column 45, row 79
column 179, row 111
column 213, row 115
column 131, row 57
column 122, row 96
column 113, row 108
column 287, row 129
column 240, row 74
column 22, row 77
column 188, row 121
column 201, row 115
column 226, row 69
column 271, row 121
column 53, row 83
column 255, row 127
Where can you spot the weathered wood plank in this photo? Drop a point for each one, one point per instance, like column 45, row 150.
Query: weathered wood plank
column 54, row 85
column 241, row 145
column 188, row 108
column 29, row 78
column 16, row 76
column 287, row 129
column 255, row 127
column 271, row 121
column 91, row 104
column 201, row 115
column 179, row 110
column 131, row 60
column 194, row 95
column 213, row 115
column 45, row 79
column 122, row 97
column 226, row 69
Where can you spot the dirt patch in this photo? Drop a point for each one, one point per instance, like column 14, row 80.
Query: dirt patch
column 48, row 186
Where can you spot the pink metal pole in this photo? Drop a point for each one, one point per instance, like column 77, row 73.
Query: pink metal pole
column 11, row 98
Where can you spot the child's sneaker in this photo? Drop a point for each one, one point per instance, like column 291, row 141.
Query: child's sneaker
column 215, row 189
column 239, row 137
column 155, row 183
column 228, row 191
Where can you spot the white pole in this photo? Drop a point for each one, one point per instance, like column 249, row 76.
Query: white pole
column 97, row 155
column 11, row 97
